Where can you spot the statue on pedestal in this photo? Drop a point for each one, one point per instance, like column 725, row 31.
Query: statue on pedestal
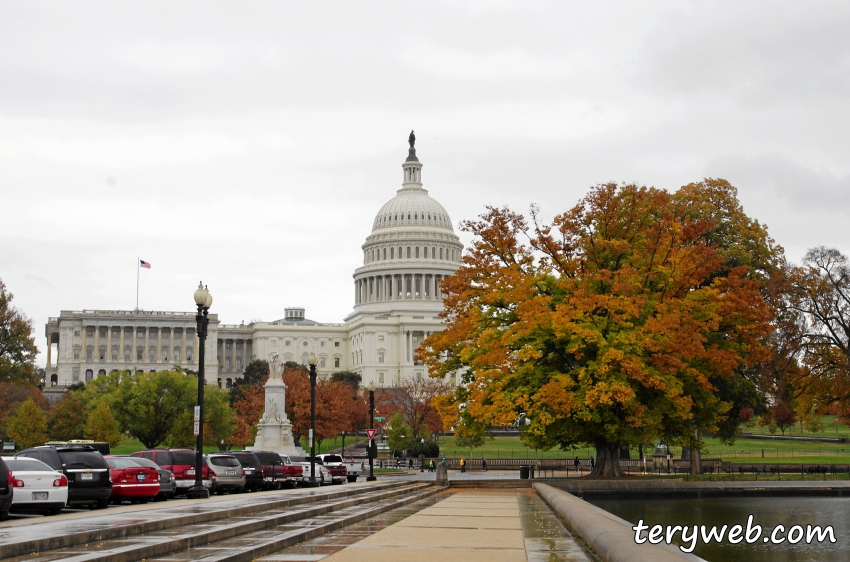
column 274, row 432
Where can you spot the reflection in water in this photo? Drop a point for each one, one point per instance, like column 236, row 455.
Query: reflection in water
column 767, row 512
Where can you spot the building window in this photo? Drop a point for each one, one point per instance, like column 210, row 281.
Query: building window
column 408, row 251
column 228, row 383
column 188, row 353
column 322, row 344
column 321, row 362
column 101, row 352
column 433, row 252
column 115, row 353
column 127, row 352
column 89, row 375
column 54, row 380
column 238, row 363
column 89, row 353
column 76, row 352
column 381, row 379
column 177, row 351
column 336, row 344
column 304, row 358
column 392, row 253
column 101, row 372
column 165, row 355
column 380, row 338
column 417, row 251
column 227, row 363
column 75, row 374
column 336, row 362
column 385, row 253
column 380, row 357
column 152, row 354
column 441, row 253
column 305, row 343
column 76, row 333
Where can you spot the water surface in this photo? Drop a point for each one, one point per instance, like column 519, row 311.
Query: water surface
column 767, row 512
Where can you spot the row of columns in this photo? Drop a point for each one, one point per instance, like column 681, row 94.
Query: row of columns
column 134, row 332
column 222, row 353
column 400, row 286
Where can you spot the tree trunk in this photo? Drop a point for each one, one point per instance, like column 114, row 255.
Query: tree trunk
column 607, row 460
column 696, row 460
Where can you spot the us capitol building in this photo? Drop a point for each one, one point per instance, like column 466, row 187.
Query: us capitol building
column 397, row 301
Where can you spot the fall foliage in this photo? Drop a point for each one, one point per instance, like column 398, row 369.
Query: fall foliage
column 66, row 420
column 634, row 316
column 101, row 425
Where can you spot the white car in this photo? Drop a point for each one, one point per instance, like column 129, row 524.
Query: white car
column 36, row 488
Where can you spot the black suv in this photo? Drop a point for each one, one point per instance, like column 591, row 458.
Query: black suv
column 253, row 469
column 5, row 490
column 85, row 468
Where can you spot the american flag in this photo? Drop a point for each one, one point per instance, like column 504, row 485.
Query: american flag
column 144, row 264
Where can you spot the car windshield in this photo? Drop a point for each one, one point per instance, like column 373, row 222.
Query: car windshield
column 268, row 458
column 248, row 459
column 333, row 458
column 121, row 463
column 145, row 462
column 183, row 458
column 30, row 465
column 87, row 459
column 224, row 461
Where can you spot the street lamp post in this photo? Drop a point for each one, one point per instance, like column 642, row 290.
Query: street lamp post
column 371, row 477
column 312, row 362
column 203, row 299
column 422, row 455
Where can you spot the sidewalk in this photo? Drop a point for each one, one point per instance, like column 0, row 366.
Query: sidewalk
column 469, row 526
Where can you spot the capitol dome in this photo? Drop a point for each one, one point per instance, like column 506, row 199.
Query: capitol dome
column 411, row 248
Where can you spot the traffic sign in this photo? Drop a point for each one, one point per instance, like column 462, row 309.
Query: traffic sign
column 197, row 413
column 370, row 433
column 379, row 419
column 197, row 428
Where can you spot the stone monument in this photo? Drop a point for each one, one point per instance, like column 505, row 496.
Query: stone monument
column 274, row 432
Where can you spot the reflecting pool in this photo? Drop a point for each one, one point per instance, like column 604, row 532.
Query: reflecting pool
column 767, row 512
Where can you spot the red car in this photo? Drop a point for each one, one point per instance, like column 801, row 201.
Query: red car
column 181, row 462
column 131, row 481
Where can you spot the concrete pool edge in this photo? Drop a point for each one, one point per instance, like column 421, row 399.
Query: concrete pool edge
column 610, row 537
column 633, row 489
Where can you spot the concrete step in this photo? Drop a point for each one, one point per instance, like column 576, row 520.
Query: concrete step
column 502, row 484
column 51, row 535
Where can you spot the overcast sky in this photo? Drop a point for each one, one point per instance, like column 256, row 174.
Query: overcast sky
column 250, row 144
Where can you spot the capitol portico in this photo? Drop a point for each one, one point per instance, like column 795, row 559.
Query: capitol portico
column 397, row 302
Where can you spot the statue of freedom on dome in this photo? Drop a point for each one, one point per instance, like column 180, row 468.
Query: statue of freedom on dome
column 411, row 139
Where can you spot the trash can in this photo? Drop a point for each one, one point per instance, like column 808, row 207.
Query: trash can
column 523, row 472
column 351, row 477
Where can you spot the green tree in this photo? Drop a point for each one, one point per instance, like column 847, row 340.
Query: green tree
column 256, row 374
column 101, row 425
column 17, row 344
column 348, row 377
column 148, row 405
column 219, row 421
column 29, row 426
column 67, row 419
column 399, row 435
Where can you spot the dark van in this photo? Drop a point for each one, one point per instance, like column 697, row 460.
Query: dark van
column 83, row 466
column 5, row 490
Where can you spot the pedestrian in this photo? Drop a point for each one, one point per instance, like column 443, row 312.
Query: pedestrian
column 431, row 465
column 410, row 463
column 592, row 463
column 462, row 464
column 576, row 463
column 484, row 464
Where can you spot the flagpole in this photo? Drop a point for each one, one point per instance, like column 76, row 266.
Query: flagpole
column 137, row 283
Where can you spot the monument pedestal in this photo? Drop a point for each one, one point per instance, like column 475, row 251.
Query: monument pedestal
column 274, row 432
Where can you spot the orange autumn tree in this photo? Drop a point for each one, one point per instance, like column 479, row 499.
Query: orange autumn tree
column 613, row 326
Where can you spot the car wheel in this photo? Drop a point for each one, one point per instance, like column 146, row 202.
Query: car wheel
column 55, row 511
column 101, row 504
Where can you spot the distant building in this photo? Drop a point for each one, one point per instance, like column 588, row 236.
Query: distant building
column 397, row 300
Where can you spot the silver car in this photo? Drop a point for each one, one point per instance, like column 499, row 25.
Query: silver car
column 226, row 473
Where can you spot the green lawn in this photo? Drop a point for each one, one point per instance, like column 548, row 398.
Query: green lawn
column 743, row 450
column 832, row 428
column 128, row 446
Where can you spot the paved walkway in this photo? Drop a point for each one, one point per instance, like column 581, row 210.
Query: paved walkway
column 473, row 527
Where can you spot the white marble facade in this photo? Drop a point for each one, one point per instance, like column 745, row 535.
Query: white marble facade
column 397, row 300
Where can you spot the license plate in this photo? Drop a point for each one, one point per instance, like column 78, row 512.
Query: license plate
column 230, row 472
column 36, row 496
column 190, row 473
column 140, row 477
column 86, row 476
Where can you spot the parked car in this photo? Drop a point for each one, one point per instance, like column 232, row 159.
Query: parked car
column 167, row 482
column 352, row 468
column 278, row 470
column 323, row 475
column 334, row 464
column 36, row 488
column 226, row 473
column 181, row 462
column 131, row 482
column 253, row 469
column 83, row 466
column 5, row 490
